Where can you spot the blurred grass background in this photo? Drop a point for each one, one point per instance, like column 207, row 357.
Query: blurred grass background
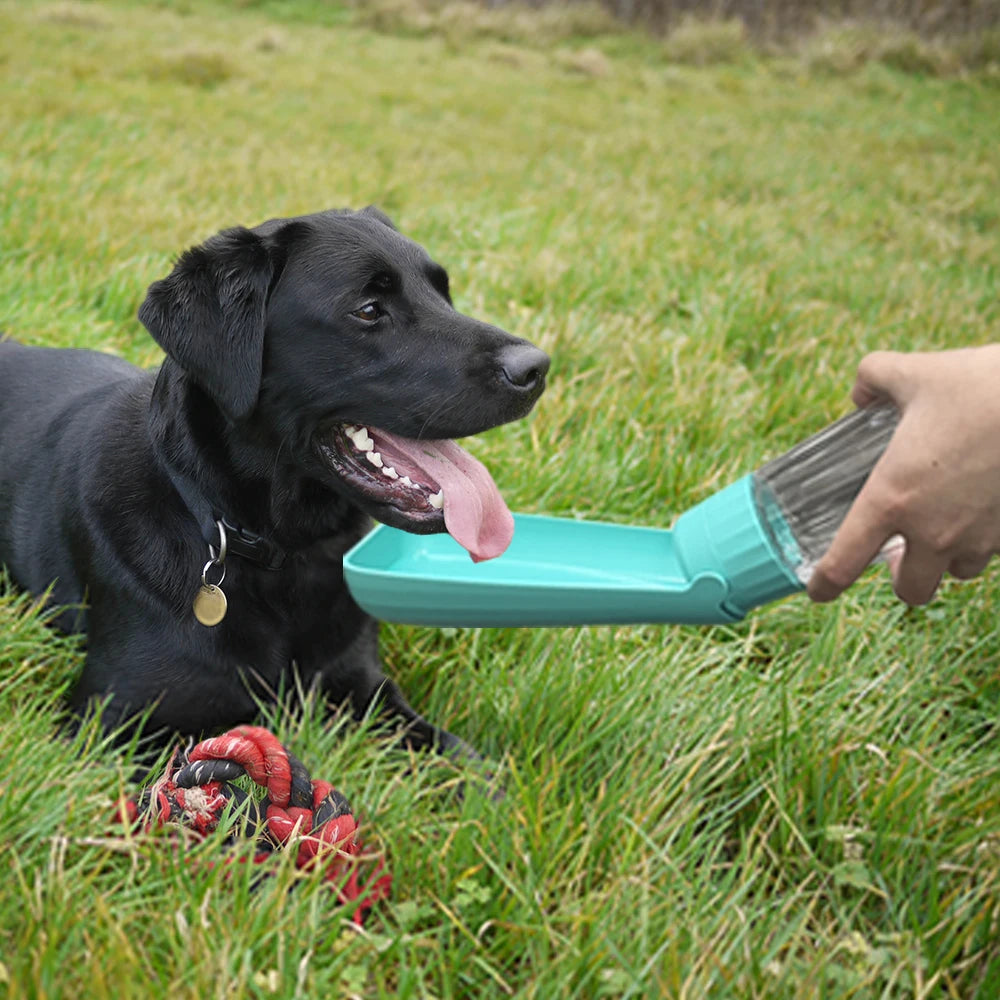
column 706, row 222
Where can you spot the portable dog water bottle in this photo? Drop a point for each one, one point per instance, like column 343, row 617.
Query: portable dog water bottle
column 753, row 542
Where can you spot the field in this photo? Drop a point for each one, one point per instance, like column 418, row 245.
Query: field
column 806, row 804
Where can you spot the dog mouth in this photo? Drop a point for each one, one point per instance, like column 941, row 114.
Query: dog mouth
column 422, row 486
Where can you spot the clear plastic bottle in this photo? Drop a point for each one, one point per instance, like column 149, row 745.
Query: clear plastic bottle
column 803, row 496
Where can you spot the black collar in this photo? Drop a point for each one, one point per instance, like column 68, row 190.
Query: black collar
column 238, row 540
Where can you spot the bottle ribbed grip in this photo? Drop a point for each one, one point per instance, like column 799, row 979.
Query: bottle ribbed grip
column 723, row 535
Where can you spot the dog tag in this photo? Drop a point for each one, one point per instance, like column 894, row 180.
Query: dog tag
column 210, row 604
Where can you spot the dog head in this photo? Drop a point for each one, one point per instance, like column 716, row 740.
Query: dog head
column 336, row 336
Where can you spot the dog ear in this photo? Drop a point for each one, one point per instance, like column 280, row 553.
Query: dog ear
column 209, row 313
column 374, row 212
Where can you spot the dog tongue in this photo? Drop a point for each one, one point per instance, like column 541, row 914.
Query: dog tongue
column 475, row 514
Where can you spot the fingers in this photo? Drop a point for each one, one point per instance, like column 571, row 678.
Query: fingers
column 917, row 576
column 857, row 542
column 966, row 567
column 916, row 573
column 881, row 375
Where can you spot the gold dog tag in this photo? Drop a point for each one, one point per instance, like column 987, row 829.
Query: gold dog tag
column 210, row 604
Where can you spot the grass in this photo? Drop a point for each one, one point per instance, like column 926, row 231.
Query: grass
column 802, row 805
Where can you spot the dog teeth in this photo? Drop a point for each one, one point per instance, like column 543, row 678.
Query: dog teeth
column 361, row 439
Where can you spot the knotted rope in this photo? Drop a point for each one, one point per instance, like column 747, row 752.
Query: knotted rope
column 298, row 811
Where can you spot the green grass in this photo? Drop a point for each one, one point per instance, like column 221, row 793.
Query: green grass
column 803, row 805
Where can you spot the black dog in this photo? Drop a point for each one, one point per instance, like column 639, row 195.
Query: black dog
column 315, row 368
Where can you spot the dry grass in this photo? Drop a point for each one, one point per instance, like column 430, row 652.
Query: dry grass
column 770, row 19
column 728, row 34
column 461, row 22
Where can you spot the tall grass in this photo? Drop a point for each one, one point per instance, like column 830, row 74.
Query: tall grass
column 780, row 18
column 938, row 39
column 802, row 805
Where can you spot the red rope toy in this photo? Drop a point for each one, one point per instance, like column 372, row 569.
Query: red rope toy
column 196, row 788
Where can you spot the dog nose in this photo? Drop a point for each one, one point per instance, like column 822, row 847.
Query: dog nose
column 524, row 365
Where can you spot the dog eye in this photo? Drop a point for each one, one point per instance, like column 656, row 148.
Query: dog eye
column 369, row 312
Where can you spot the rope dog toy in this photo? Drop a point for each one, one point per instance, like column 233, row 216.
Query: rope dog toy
column 298, row 811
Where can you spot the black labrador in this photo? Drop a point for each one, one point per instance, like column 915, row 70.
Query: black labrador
column 192, row 520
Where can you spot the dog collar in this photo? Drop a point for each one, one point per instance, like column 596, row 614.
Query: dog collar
column 236, row 540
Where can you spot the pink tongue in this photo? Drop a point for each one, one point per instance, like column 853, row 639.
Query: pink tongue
column 474, row 512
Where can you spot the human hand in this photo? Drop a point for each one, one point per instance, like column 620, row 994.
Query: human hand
column 938, row 482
